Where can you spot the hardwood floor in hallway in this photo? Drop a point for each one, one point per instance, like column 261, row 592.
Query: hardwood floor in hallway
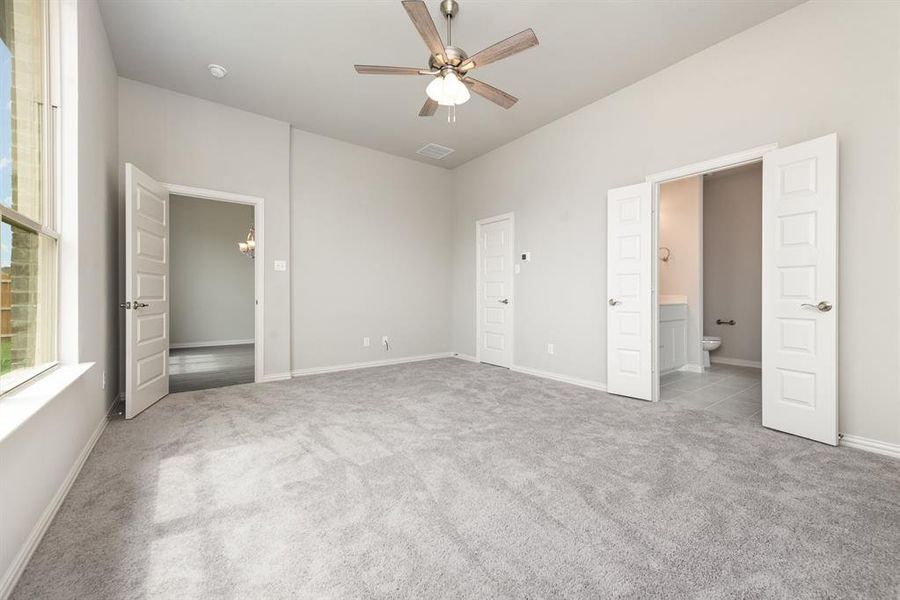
column 210, row 367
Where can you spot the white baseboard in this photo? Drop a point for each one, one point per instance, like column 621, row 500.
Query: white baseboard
column 594, row 385
column 464, row 357
column 180, row 345
column 861, row 443
column 366, row 365
column 275, row 377
column 692, row 368
column 11, row 577
column 735, row 362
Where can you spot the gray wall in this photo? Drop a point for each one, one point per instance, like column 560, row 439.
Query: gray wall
column 359, row 279
column 98, row 303
column 371, row 254
column 179, row 139
column 212, row 288
column 819, row 68
column 679, row 230
column 732, row 261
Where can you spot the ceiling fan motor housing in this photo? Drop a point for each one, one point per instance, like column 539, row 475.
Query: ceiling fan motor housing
column 455, row 57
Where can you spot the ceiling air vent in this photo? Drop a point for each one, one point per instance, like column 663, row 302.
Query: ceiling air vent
column 435, row 151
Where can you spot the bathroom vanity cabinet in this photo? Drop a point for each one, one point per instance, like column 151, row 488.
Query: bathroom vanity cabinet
column 672, row 336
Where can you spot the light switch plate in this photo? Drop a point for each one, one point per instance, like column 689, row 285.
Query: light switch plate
column 281, row 265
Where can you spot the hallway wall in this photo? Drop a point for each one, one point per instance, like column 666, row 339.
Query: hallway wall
column 212, row 297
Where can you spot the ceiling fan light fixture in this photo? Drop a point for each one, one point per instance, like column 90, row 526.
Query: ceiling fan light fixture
column 449, row 64
column 447, row 90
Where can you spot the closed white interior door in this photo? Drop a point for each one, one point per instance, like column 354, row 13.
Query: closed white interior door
column 629, row 322
column 799, row 304
column 495, row 287
column 146, row 291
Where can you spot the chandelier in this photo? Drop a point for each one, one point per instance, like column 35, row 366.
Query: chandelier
column 248, row 248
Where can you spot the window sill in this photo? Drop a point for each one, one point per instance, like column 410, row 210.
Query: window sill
column 19, row 405
column 11, row 382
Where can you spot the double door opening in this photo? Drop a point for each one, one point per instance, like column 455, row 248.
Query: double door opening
column 798, row 298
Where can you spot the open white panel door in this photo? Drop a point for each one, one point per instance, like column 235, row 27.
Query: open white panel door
column 146, row 291
column 799, row 304
column 629, row 315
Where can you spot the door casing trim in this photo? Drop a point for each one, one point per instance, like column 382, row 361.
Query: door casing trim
column 259, row 262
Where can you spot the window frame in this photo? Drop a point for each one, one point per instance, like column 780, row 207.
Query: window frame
column 50, row 207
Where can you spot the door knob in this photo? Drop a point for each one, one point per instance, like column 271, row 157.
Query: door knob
column 822, row 306
column 140, row 305
column 613, row 302
column 125, row 305
column 504, row 301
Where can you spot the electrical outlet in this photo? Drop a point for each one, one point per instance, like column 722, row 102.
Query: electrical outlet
column 549, row 348
column 366, row 342
column 280, row 265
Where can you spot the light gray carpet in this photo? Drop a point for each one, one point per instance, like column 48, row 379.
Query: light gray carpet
column 449, row 479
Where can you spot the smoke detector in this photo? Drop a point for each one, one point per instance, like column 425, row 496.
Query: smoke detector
column 217, row 71
column 435, row 151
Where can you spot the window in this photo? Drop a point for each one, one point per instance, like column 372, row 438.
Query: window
column 28, row 238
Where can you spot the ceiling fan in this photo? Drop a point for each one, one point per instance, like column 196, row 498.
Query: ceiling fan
column 450, row 66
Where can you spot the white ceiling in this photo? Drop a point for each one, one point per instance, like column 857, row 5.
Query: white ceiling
column 293, row 60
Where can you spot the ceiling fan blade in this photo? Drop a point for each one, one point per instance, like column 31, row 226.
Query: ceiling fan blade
column 429, row 108
column 493, row 94
column 421, row 18
column 379, row 70
column 511, row 45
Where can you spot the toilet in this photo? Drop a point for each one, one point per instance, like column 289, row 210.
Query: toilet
column 709, row 343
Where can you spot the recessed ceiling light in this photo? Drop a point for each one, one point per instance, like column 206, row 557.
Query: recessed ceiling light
column 217, row 71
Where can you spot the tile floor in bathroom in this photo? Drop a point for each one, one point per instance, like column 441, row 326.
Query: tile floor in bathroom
column 723, row 389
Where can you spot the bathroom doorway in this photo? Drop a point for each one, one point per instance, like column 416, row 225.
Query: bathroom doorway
column 710, row 296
